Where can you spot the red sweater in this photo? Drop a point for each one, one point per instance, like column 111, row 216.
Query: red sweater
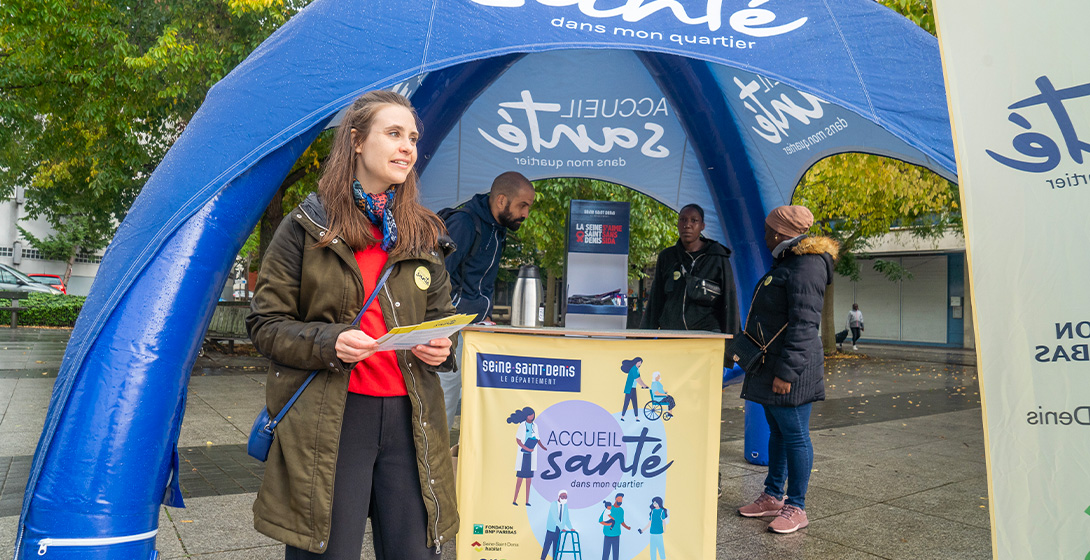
column 379, row 375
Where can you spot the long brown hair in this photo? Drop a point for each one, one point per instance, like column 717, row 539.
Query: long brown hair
column 417, row 227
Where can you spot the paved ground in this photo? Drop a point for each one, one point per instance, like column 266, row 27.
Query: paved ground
column 899, row 458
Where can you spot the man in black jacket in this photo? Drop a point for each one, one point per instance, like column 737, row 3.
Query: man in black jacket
column 693, row 288
column 479, row 231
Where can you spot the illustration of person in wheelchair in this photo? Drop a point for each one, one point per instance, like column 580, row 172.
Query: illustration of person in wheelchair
column 661, row 403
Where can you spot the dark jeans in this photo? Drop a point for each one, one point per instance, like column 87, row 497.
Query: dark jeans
column 630, row 396
column 856, row 333
column 377, row 476
column 790, row 453
column 615, row 544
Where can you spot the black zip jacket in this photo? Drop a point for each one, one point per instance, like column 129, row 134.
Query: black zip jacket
column 475, row 262
column 673, row 307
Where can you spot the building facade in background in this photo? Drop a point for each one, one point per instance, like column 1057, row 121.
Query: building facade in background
column 17, row 251
column 929, row 308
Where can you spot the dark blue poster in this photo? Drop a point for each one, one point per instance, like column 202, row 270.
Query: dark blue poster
column 598, row 227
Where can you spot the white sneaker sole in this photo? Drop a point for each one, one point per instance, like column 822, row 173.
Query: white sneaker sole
column 788, row 531
column 765, row 513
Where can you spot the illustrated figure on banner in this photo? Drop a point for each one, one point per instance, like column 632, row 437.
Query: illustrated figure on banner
column 659, row 395
column 558, row 521
column 612, row 520
column 632, row 368
column 528, row 442
column 369, row 416
column 657, row 518
column 607, row 515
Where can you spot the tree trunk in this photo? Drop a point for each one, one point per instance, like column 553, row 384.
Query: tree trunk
column 274, row 212
column 270, row 220
column 828, row 323
column 550, row 299
column 68, row 267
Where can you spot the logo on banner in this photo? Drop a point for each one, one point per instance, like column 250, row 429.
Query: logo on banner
column 774, row 114
column 528, row 373
column 754, row 21
column 591, row 131
column 1039, row 152
column 586, row 453
column 597, row 234
column 488, row 529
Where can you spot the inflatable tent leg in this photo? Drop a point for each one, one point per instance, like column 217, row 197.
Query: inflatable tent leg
column 757, row 432
column 106, row 453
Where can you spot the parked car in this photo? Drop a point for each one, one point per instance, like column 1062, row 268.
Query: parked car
column 14, row 280
column 52, row 280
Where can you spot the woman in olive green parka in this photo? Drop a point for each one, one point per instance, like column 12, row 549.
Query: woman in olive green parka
column 316, row 274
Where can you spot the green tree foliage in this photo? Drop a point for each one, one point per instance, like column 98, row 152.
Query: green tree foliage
column 919, row 11
column 93, row 93
column 857, row 198
column 74, row 233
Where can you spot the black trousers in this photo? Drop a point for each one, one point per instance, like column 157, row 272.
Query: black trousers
column 376, row 476
column 856, row 333
column 630, row 396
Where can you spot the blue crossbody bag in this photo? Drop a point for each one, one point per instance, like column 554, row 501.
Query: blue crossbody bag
column 261, row 434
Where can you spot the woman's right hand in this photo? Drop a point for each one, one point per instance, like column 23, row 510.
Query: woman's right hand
column 354, row 346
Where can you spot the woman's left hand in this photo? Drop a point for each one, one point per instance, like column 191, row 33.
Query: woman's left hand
column 780, row 387
column 434, row 353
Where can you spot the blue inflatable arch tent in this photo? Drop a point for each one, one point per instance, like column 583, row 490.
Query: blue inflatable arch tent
column 725, row 103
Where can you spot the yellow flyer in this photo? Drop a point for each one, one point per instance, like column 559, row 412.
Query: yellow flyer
column 573, row 447
column 404, row 338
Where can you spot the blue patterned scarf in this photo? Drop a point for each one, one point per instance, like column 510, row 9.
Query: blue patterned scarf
column 379, row 209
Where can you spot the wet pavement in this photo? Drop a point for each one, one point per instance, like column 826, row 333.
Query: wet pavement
column 899, row 467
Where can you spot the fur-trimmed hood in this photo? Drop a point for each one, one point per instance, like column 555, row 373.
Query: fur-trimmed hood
column 816, row 246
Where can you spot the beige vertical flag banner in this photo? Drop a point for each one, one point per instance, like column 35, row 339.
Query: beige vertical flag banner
column 1018, row 85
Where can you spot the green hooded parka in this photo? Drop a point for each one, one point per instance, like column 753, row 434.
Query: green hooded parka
column 304, row 299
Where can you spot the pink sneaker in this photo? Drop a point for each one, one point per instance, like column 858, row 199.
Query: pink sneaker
column 791, row 519
column 763, row 506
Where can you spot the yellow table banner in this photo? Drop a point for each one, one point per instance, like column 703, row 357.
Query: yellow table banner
column 545, row 448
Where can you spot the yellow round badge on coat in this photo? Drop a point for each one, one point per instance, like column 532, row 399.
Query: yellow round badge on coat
column 768, row 280
column 422, row 277
column 677, row 274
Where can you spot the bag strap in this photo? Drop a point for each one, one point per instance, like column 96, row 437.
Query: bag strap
column 359, row 316
column 769, row 343
column 745, row 329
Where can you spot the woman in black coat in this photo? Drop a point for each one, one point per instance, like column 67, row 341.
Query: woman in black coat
column 786, row 314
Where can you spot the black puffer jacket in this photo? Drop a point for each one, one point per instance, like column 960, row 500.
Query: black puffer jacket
column 791, row 293
column 670, row 305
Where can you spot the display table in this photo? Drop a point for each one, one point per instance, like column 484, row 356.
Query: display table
column 552, row 410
